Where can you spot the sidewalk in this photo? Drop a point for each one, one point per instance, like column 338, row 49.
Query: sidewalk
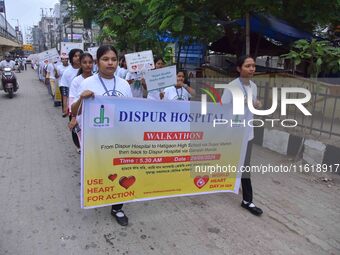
column 40, row 200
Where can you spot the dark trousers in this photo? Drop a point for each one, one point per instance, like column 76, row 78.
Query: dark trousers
column 75, row 137
column 117, row 207
column 247, row 190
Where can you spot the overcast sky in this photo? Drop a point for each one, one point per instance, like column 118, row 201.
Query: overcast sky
column 28, row 12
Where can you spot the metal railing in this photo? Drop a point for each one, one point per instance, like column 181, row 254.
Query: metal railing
column 324, row 107
column 10, row 32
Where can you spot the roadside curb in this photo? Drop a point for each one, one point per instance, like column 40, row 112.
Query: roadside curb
column 313, row 151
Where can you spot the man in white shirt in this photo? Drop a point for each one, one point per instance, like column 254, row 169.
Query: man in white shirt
column 7, row 62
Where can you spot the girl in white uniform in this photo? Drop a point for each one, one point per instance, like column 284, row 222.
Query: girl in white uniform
column 105, row 83
column 69, row 74
column 246, row 67
column 181, row 91
column 85, row 71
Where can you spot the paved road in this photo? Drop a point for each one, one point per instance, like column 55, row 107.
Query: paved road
column 40, row 209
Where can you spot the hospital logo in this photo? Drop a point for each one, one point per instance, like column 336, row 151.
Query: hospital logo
column 101, row 116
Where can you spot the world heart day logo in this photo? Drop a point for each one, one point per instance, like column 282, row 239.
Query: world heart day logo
column 200, row 182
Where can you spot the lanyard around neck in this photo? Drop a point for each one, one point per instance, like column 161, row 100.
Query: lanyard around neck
column 243, row 88
column 106, row 90
column 179, row 97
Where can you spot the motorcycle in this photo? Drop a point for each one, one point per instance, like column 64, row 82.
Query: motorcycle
column 9, row 82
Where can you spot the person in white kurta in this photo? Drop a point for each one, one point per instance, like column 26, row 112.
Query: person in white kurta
column 246, row 68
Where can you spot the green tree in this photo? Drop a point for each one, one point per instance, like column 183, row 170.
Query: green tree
column 320, row 56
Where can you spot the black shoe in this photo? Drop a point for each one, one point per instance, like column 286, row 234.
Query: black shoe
column 120, row 216
column 254, row 210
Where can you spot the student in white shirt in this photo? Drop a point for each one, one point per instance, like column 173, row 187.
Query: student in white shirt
column 51, row 74
column 63, row 90
column 135, row 81
column 69, row 74
column 181, row 91
column 85, row 71
column 246, row 67
column 122, row 71
column 105, row 83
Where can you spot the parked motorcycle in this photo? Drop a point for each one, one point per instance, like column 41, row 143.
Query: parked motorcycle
column 9, row 82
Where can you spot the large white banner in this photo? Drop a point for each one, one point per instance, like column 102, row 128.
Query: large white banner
column 51, row 56
column 135, row 150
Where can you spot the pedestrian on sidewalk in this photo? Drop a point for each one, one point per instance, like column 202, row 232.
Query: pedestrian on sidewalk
column 246, row 67
column 105, row 83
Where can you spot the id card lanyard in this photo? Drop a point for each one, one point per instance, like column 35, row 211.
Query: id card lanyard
column 178, row 96
column 114, row 86
column 243, row 90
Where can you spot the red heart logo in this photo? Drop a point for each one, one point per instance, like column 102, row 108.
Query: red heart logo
column 112, row 177
column 134, row 67
column 201, row 181
column 126, row 182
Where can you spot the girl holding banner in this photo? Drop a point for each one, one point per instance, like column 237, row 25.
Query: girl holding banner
column 85, row 71
column 246, row 67
column 181, row 91
column 69, row 74
column 105, row 83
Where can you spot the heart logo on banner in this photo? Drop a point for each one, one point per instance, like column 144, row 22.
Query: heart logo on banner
column 200, row 182
column 134, row 67
column 127, row 182
column 112, row 177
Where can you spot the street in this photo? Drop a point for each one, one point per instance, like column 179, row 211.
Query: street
column 40, row 200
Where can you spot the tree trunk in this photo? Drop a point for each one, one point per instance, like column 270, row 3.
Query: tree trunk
column 178, row 64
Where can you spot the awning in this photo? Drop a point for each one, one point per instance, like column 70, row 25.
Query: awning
column 274, row 28
column 236, row 44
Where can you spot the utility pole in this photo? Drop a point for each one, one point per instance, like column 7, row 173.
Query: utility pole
column 5, row 18
column 71, row 20
column 247, row 33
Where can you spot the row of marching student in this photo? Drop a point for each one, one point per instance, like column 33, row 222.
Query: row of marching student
column 111, row 78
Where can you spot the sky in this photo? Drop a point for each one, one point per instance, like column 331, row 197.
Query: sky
column 27, row 12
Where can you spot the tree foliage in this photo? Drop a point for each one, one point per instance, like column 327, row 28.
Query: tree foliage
column 138, row 24
column 320, row 56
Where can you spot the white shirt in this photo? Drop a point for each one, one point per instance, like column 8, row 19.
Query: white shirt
column 122, row 72
column 117, row 85
column 50, row 70
column 5, row 63
column 60, row 70
column 172, row 93
column 69, row 74
column 73, row 92
column 227, row 99
column 136, row 85
column 93, row 83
